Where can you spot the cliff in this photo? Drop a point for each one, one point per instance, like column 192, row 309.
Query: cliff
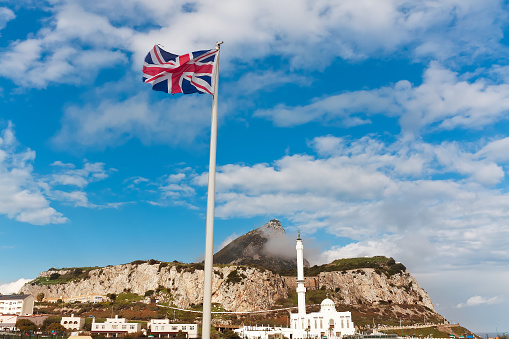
column 236, row 288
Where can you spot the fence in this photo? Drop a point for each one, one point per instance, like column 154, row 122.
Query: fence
column 30, row 336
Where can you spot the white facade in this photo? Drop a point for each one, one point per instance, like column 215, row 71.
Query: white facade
column 327, row 323
column 114, row 326
column 163, row 328
column 8, row 321
column 17, row 304
column 88, row 298
column 72, row 322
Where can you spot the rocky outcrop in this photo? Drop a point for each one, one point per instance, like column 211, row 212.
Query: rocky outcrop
column 235, row 288
column 366, row 286
column 266, row 246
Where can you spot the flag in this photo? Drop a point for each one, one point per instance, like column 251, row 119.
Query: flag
column 188, row 73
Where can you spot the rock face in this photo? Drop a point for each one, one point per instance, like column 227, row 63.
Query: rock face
column 235, row 288
column 365, row 286
column 242, row 288
column 254, row 248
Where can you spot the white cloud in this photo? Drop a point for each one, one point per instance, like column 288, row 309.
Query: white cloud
column 13, row 287
column 82, row 37
column 26, row 196
column 443, row 101
column 390, row 199
column 22, row 198
column 6, row 15
column 112, row 123
column 226, row 241
column 478, row 300
column 267, row 81
column 73, row 47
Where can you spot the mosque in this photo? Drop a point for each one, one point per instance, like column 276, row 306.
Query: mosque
column 327, row 323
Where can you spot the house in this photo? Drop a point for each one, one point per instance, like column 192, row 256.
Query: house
column 8, row 321
column 17, row 304
column 163, row 328
column 88, row 298
column 115, row 326
column 72, row 322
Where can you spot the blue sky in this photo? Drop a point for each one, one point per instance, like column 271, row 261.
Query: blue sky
column 374, row 127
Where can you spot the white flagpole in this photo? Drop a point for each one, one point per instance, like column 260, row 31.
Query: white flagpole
column 209, row 234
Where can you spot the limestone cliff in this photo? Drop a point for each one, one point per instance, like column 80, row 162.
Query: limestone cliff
column 366, row 286
column 236, row 288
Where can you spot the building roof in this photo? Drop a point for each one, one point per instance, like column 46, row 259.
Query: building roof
column 327, row 305
column 14, row 296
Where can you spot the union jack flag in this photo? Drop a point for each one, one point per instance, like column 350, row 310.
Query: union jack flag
column 188, row 73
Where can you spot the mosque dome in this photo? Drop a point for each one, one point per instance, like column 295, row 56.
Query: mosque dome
column 327, row 305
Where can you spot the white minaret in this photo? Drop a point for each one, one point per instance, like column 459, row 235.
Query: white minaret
column 301, row 290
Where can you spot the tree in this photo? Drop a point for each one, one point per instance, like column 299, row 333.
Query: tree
column 25, row 325
column 57, row 327
column 112, row 296
column 49, row 321
column 229, row 334
column 40, row 297
column 54, row 276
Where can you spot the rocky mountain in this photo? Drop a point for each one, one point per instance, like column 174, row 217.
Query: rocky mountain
column 261, row 247
column 241, row 287
column 236, row 288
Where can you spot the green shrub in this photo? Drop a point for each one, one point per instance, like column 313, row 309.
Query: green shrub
column 54, row 276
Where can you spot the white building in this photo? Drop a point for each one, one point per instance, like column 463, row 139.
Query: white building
column 17, row 304
column 163, row 328
column 114, row 326
column 8, row 321
column 72, row 322
column 88, row 298
column 326, row 323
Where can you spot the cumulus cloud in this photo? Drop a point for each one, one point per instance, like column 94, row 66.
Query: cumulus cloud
column 388, row 199
column 22, row 195
column 26, row 196
column 171, row 189
column 13, row 287
column 111, row 123
column 73, row 48
column 479, row 300
column 443, row 101
column 81, row 38
column 6, row 15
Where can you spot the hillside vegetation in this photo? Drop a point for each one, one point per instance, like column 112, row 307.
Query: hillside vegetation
column 381, row 264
